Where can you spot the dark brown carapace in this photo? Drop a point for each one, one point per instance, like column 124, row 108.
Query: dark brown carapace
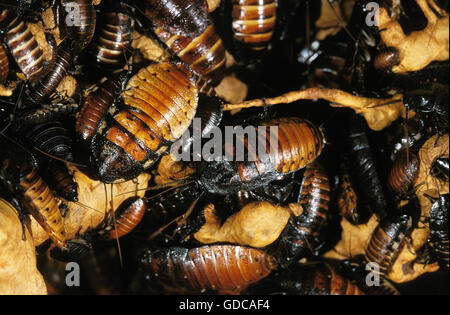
column 62, row 181
column 387, row 240
column 83, row 17
column 327, row 280
column 4, row 64
column 386, row 59
column 254, row 22
column 159, row 103
column 300, row 235
column 403, row 173
column 204, row 53
column 215, row 268
column 179, row 17
column 22, row 45
column 112, row 41
column 94, row 109
column 56, row 73
column 128, row 216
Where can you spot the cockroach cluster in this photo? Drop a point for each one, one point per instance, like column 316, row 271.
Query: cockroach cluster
column 349, row 196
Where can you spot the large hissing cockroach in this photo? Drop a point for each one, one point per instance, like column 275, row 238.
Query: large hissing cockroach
column 61, row 180
column 388, row 239
column 54, row 75
column 128, row 216
column 439, row 168
column 112, row 40
column 95, row 107
column 45, row 113
column 22, row 45
column 403, row 173
column 51, row 138
column 298, row 239
column 217, row 268
column 439, row 230
column 4, row 64
column 318, row 279
column 185, row 18
column 20, row 175
column 363, row 168
column 159, row 104
column 298, row 141
column 254, row 22
column 78, row 19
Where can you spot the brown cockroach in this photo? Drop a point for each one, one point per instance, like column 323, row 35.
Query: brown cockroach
column 403, row 173
column 159, row 104
column 219, row 268
column 4, row 64
column 254, row 22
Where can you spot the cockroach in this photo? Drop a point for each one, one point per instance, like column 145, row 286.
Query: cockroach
column 254, row 22
column 45, row 113
column 215, row 268
column 388, row 239
column 205, row 54
column 128, row 216
column 299, row 143
column 112, row 40
column 4, row 64
column 20, row 174
column 403, row 173
column 439, row 230
column 78, row 18
column 159, row 104
column 386, row 59
column 188, row 19
column 55, row 74
column 51, row 138
column 61, row 180
column 363, row 169
column 439, row 168
column 95, row 107
column 22, row 45
column 298, row 239
column 317, row 279
column 347, row 200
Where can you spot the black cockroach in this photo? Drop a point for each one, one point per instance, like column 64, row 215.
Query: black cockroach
column 20, row 175
column 112, row 41
column 390, row 236
column 439, row 168
column 4, row 64
column 254, row 22
column 51, row 138
column 159, row 104
column 317, row 279
column 45, row 113
column 59, row 178
column 299, row 143
column 127, row 216
column 188, row 19
column 403, row 173
column 298, row 239
column 363, row 168
column 216, row 268
column 54, row 75
column 439, row 229
column 78, row 19
column 22, row 45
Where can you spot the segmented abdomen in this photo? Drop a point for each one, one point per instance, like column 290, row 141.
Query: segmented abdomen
column 62, row 181
column 23, row 46
column 223, row 268
column 112, row 42
column 403, row 173
column 41, row 203
column 205, row 53
column 254, row 22
column 4, row 64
